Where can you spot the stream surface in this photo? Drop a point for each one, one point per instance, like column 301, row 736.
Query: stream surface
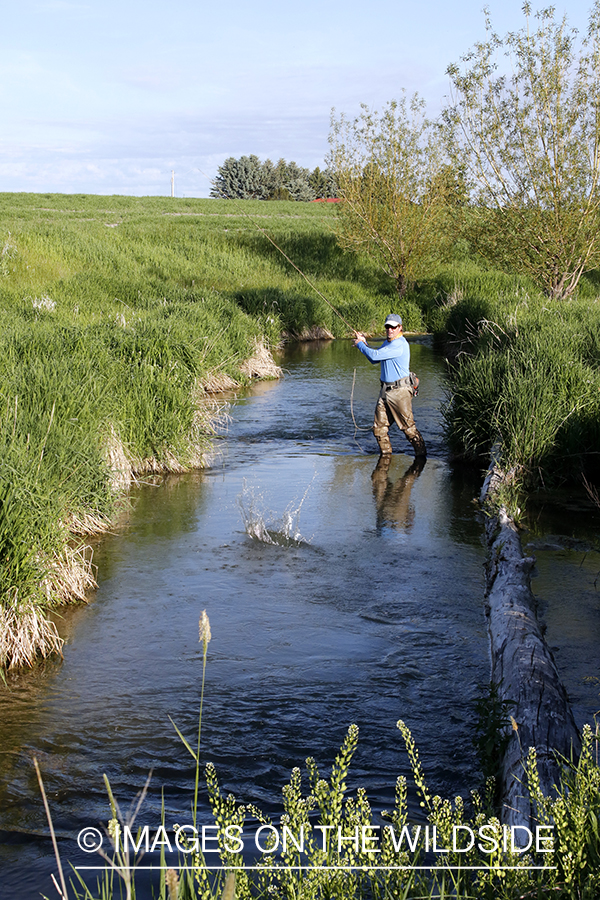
column 366, row 606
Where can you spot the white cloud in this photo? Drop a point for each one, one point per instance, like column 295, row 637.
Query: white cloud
column 115, row 104
column 157, row 78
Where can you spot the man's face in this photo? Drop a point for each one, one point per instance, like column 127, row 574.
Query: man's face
column 393, row 331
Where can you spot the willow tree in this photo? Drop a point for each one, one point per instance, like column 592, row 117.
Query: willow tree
column 525, row 122
column 391, row 181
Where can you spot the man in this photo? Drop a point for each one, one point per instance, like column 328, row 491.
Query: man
column 395, row 398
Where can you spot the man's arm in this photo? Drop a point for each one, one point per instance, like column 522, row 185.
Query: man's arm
column 388, row 350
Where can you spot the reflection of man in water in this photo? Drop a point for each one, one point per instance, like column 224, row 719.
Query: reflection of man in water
column 395, row 397
column 392, row 498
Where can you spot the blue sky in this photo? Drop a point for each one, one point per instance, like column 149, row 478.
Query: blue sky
column 110, row 96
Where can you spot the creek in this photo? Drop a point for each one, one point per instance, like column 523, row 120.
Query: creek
column 357, row 597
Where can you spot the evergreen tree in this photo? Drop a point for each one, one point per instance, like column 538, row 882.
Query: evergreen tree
column 323, row 183
column 241, row 179
column 249, row 179
column 295, row 179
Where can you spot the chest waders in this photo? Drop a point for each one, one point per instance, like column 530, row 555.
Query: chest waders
column 394, row 404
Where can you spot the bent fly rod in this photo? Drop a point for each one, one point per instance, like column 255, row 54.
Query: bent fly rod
column 285, row 256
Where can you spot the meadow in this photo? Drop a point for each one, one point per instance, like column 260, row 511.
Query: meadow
column 120, row 317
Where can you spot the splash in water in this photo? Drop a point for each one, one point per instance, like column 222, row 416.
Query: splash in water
column 264, row 525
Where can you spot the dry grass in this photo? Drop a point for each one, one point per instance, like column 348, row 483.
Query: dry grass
column 261, row 364
column 217, row 382
column 592, row 492
column 70, row 576
column 87, row 524
column 170, row 465
column 211, row 413
column 25, row 634
column 119, row 465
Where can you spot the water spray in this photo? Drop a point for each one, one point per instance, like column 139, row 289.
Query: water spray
column 264, row 526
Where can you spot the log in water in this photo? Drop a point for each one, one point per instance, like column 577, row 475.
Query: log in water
column 366, row 607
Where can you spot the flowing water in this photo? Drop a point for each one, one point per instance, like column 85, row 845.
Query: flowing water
column 338, row 591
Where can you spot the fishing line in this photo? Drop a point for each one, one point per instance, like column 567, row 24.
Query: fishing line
column 357, row 427
column 285, row 256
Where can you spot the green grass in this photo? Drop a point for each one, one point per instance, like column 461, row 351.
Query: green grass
column 71, row 392
column 524, row 374
column 104, row 255
column 113, row 311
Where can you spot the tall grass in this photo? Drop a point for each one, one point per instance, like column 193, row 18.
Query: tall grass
column 68, row 395
column 524, row 375
column 102, row 255
column 114, row 312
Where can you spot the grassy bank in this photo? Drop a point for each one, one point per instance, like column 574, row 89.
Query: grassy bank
column 83, row 408
column 103, row 255
column 116, row 315
column 524, row 374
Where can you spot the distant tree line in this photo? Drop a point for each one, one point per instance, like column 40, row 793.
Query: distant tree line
column 247, row 178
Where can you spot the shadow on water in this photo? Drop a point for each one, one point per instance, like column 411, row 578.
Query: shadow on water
column 365, row 605
column 562, row 530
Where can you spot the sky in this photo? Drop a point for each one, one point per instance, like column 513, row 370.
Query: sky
column 112, row 96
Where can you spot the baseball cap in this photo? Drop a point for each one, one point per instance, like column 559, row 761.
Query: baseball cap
column 393, row 319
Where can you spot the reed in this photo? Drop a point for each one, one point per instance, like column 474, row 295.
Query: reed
column 524, row 376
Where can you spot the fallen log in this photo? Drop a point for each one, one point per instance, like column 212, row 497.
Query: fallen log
column 522, row 664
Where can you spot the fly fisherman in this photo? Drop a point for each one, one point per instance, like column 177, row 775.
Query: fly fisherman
column 395, row 397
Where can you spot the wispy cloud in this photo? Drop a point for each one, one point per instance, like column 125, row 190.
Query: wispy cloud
column 154, row 78
column 110, row 95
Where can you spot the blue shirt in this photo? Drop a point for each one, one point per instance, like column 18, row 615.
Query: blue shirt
column 394, row 357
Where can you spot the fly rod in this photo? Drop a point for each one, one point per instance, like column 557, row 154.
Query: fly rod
column 293, row 264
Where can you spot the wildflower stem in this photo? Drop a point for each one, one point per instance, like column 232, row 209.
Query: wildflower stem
column 52, row 835
column 199, row 733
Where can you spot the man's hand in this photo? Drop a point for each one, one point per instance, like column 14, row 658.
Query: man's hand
column 359, row 339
